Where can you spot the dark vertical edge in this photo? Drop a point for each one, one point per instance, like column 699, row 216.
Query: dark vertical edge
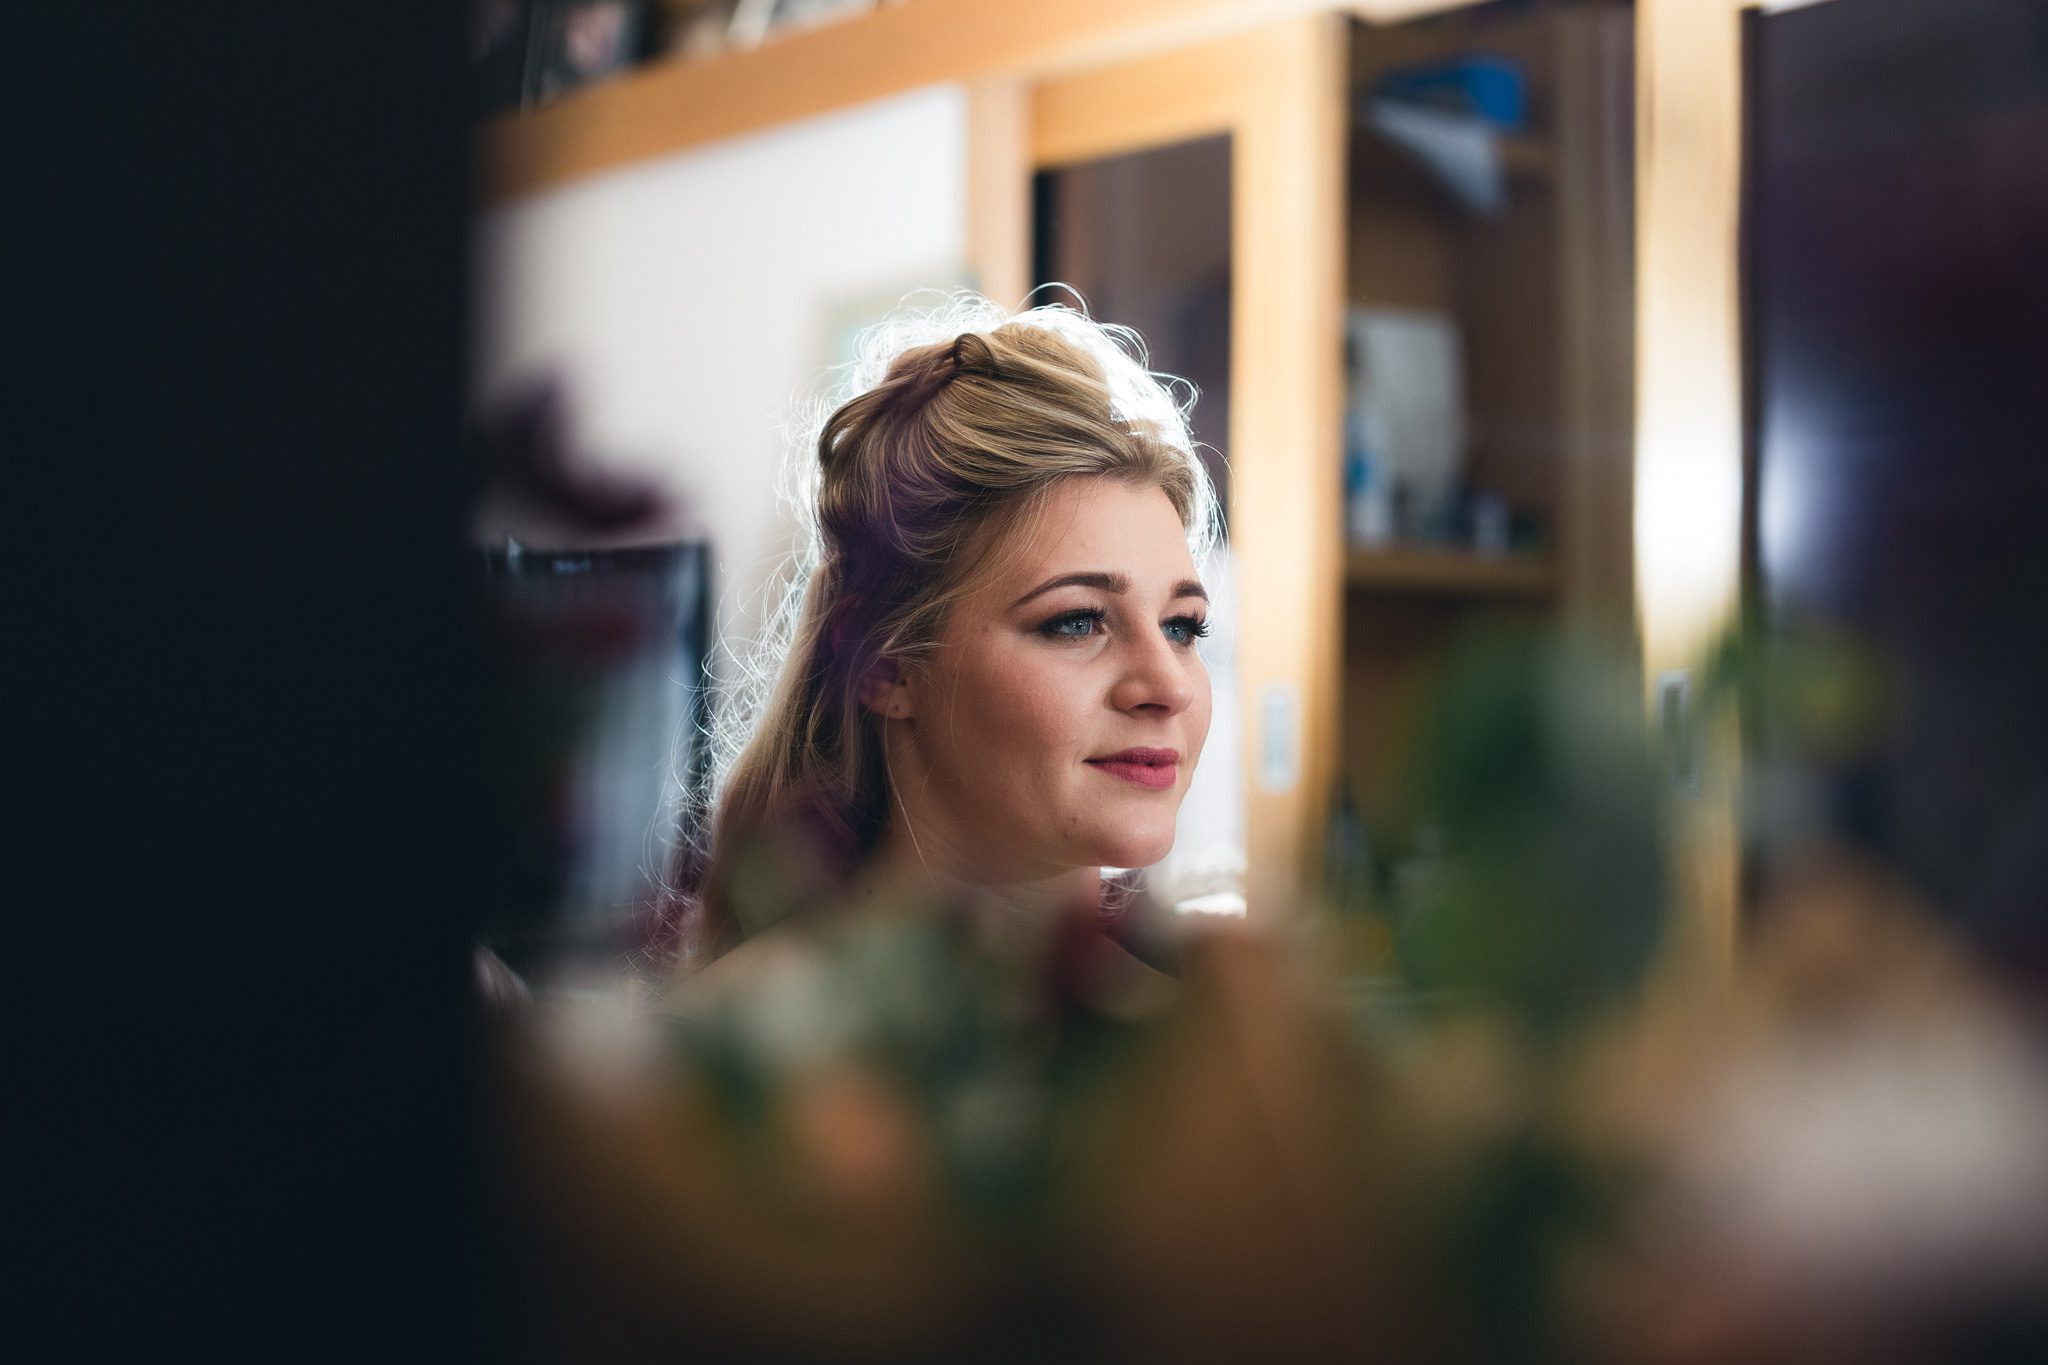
column 1753, row 599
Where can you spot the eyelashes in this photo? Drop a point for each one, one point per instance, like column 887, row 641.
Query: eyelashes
column 1075, row 625
column 1088, row 622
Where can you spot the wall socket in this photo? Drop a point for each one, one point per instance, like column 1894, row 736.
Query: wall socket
column 1279, row 737
column 1678, row 731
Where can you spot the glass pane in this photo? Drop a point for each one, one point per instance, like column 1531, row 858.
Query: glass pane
column 1145, row 238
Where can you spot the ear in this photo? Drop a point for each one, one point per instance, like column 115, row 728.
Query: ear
column 885, row 690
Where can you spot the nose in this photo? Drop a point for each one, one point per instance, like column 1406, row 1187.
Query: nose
column 1155, row 678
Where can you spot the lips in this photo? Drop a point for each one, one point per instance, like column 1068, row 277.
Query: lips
column 1155, row 769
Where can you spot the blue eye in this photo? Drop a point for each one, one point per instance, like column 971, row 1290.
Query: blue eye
column 1074, row 625
column 1185, row 630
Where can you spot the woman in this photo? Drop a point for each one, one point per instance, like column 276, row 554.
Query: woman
column 943, row 1136
column 990, row 688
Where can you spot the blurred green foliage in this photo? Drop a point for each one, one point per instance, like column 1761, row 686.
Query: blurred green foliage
column 982, row 1050
column 1534, row 879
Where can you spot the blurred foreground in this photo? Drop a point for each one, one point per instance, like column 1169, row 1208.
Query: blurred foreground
column 1477, row 1106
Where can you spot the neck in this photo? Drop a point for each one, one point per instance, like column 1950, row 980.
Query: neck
column 1008, row 912
column 923, row 858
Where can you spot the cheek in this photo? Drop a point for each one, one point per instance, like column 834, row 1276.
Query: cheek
column 1199, row 713
column 1017, row 704
column 1045, row 715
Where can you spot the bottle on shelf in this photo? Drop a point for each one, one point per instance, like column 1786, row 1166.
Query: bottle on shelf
column 1368, row 492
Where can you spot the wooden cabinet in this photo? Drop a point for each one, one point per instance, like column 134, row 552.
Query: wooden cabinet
column 1536, row 290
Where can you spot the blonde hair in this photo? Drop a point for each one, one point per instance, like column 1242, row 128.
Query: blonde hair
column 960, row 422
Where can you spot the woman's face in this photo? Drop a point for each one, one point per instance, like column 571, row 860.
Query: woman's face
column 1058, row 722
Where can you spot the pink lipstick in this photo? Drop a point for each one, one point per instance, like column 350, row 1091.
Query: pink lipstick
column 1155, row 769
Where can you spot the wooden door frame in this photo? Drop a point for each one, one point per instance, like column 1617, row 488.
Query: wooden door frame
column 1689, row 476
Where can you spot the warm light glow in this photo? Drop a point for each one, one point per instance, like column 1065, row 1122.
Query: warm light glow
column 1689, row 395
column 1393, row 11
column 1221, row 903
column 1688, row 531
column 1688, row 536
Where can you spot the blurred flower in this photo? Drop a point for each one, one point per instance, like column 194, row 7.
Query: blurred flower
column 1847, row 1160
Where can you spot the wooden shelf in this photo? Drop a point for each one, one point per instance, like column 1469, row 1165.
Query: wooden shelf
column 675, row 103
column 1420, row 571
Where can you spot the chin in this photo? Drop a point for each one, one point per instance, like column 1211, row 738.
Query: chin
column 1133, row 848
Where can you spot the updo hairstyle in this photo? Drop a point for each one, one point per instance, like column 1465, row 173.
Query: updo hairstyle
column 962, row 422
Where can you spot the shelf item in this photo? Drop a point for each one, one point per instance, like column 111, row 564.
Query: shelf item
column 1526, row 161
column 1475, row 85
column 1423, row 570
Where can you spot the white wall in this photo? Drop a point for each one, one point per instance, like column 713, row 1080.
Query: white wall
column 689, row 302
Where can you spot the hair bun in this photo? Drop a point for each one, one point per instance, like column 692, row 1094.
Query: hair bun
column 921, row 375
column 973, row 355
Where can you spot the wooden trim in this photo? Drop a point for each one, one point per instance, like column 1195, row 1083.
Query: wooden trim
column 1192, row 93
column 1688, row 494
column 672, row 105
column 1401, row 11
column 669, row 106
column 999, row 189
column 1286, row 424
column 1459, row 573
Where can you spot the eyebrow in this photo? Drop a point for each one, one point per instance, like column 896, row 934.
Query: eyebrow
column 1113, row 583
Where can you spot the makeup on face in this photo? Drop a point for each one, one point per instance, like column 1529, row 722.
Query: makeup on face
column 1067, row 703
column 1153, row 769
column 1184, row 627
column 1147, row 767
